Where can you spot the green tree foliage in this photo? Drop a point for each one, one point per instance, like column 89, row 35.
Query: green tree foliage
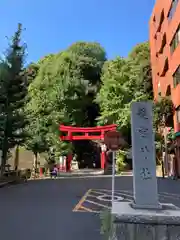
column 13, row 89
column 163, row 112
column 77, row 87
column 108, row 228
column 125, row 80
column 163, row 116
column 63, row 91
column 31, row 72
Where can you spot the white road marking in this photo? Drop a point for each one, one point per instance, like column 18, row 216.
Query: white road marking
column 169, row 196
column 117, row 191
column 105, row 196
column 98, row 204
column 101, row 196
column 117, row 194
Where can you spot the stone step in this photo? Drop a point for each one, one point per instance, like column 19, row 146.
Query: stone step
column 108, row 170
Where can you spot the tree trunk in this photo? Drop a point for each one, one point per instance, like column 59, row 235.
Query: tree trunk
column 16, row 159
column 4, row 153
column 35, row 162
column 4, row 145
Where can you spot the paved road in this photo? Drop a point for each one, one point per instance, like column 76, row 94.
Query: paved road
column 43, row 209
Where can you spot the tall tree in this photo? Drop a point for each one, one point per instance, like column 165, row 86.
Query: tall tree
column 124, row 81
column 13, row 90
column 65, row 88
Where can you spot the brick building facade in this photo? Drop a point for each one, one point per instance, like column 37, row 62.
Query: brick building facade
column 165, row 55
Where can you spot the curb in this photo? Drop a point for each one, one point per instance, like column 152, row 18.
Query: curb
column 6, row 183
column 99, row 174
column 126, row 174
column 91, row 176
column 81, row 174
column 82, row 177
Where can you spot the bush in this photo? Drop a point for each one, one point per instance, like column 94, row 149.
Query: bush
column 107, row 227
column 120, row 161
column 24, row 174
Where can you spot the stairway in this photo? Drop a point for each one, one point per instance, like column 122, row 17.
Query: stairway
column 108, row 169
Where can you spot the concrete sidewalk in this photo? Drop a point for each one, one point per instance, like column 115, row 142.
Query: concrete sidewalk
column 85, row 173
column 92, row 172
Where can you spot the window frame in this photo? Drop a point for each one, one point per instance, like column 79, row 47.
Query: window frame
column 172, row 9
column 175, row 40
column 178, row 114
column 166, row 67
column 162, row 17
column 163, row 44
column 176, row 79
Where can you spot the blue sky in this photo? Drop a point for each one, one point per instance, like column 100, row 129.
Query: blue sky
column 52, row 26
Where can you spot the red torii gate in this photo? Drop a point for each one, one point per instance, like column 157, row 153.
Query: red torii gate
column 72, row 134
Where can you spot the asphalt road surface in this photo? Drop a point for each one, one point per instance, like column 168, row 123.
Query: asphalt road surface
column 66, row 209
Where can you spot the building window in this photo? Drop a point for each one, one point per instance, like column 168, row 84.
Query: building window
column 162, row 17
column 172, row 9
column 168, row 91
column 163, row 44
column 166, row 68
column 161, row 21
column 176, row 77
column 176, row 40
column 178, row 114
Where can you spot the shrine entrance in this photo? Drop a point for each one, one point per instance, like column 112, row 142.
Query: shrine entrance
column 89, row 133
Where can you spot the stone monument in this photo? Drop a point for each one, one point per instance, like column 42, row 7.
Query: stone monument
column 144, row 160
column 144, row 218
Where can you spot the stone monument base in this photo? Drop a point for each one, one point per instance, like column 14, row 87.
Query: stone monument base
column 150, row 207
column 142, row 224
